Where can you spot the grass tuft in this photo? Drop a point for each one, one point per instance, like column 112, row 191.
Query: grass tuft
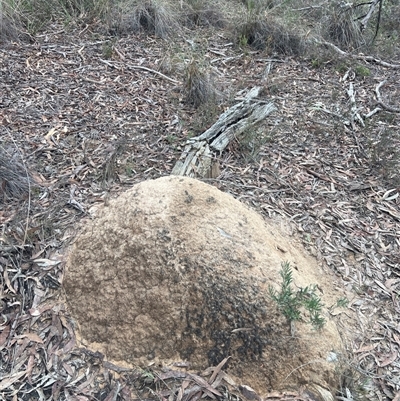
column 202, row 13
column 15, row 180
column 341, row 28
column 9, row 23
column 251, row 142
column 32, row 16
column 262, row 32
column 199, row 87
column 155, row 17
column 385, row 155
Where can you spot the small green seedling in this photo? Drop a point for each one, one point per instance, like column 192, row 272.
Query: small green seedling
column 342, row 303
column 362, row 71
column 291, row 302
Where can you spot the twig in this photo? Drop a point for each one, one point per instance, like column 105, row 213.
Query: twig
column 320, row 107
column 380, row 101
column 310, row 7
column 334, row 47
column 378, row 61
column 357, row 57
column 139, row 67
column 365, row 20
column 373, row 112
column 225, row 59
column 301, row 366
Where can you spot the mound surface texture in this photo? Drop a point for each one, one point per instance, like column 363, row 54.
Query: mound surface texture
column 175, row 269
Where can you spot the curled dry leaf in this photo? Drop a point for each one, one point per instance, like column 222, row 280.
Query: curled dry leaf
column 4, row 336
column 389, row 359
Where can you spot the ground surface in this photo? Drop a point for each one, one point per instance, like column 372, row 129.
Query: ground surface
column 90, row 127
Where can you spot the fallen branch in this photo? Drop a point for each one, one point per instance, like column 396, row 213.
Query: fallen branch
column 197, row 157
column 357, row 57
column 364, row 21
column 139, row 67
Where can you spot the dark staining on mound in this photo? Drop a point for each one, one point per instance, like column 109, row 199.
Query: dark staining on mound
column 189, row 198
column 232, row 317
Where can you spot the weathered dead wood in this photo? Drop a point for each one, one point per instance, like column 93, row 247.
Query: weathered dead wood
column 196, row 159
column 356, row 56
column 355, row 115
column 380, row 101
column 364, row 21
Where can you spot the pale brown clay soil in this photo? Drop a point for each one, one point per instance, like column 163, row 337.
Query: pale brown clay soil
column 89, row 128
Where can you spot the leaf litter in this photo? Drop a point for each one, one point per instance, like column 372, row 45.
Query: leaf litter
column 88, row 128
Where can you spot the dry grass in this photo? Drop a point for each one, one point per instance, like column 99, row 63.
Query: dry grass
column 252, row 141
column 390, row 23
column 199, row 13
column 8, row 24
column 385, row 155
column 388, row 39
column 268, row 33
column 262, row 24
column 205, row 116
column 15, row 180
column 199, row 87
column 268, row 25
column 32, row 16
column 341, row 28
column 35, row 15
column 155, row 17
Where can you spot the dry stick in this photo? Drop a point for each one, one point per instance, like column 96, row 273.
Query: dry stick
column 197, row 155
column 365, row 20
column 310, row 7
column 380, row 101
column 355, row 115
column 225, row 59
column 378, row 61
column 139, row 67
column 364, row 58
column 372, row 112
column 354, row 111
column 319, row 107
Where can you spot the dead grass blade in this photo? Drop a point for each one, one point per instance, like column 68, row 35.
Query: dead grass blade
column 15, row 181
column 217, row 370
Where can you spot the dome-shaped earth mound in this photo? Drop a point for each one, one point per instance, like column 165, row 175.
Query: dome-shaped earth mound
column 175, row 269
